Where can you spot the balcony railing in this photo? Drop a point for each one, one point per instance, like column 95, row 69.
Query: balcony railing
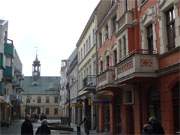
column 89, row 83
column 106, row 77
column 8, row 72
column 140, row 63
column 125, row 19
column 9, row 49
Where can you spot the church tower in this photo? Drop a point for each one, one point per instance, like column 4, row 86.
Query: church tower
column 36, row 69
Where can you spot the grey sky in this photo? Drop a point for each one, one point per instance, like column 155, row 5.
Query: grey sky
column 53, row 26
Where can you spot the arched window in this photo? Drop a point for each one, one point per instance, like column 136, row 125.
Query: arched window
column 176, row 107
column 39, row 99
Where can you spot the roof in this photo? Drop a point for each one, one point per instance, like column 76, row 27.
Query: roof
column 45, row 85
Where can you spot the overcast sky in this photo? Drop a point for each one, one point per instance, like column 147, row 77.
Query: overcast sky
column 53, row 26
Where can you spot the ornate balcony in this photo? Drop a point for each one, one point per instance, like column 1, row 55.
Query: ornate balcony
column 106, row 78
column 8, row 72
column 9, row 48
column 89, row 83
column 139, row 63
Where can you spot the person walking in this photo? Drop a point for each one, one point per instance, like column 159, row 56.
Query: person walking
column 27, row 127
column 43, row 129
column 86, row 125
column 153, row 127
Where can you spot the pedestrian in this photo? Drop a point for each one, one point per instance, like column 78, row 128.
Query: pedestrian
column 43, row 129
column 86, row 125
column 153, row 127
column 147, row 129
column 156, row 126
column 26, row 127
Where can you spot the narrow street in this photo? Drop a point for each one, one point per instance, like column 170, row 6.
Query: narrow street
column 15, row 129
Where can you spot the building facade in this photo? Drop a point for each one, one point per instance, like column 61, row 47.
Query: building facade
column 138, row 73
column 86, row 47
column 41, row 93
column 10, row 77
column 72, row 87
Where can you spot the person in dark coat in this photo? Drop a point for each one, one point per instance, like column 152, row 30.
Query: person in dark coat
column 43, row 129
column 86, row 125
column 26, row 127
column 147, row 129
column 156, row 126
column 153, row 127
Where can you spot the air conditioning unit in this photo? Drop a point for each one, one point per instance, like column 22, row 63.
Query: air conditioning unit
column 128, row 97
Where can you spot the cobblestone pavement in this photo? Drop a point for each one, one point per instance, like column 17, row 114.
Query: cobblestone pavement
column 15, row 129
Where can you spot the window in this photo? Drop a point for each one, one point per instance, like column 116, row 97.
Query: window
column 85, row 49
column 100, row 39
column 106, row 32
column 47, row 111
column 47, row 99
column 55, row 99
column 115, row 57
column 89, row 41
column 170, row 22
column 114, row 24
column 55, row 111
column 124, row 44
column 150, row 38
column 107, row 62
column 101, row 66
column 120, row 49
column 39, row 99
column 94, row 36
column 28, row 100
column 81, row 53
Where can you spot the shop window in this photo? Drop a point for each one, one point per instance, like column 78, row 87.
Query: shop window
column 150, row 38
column 154, row 104
column 170, row 26
column 176, row 107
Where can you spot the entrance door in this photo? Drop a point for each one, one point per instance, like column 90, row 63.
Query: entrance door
column 176, row 107
column 154, row 104
column 130, row 119
column 117, row 116
column 106, row 117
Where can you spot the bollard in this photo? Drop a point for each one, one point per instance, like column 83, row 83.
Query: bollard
column 78, row 130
